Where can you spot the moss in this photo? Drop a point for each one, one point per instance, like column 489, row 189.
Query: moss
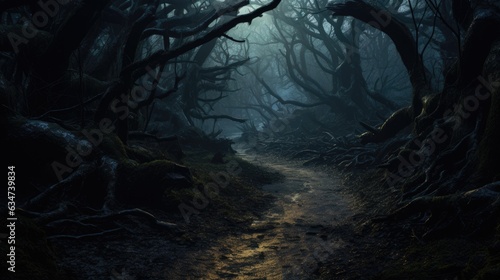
column 147, row 182
column 173, row 197
column 202, row 168
column 113, row 147
column 257, row 174
column 141, row 154
column 237, row 200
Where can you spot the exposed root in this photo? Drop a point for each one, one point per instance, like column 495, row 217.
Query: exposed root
column 85, row 236
column 50, row 193
column 473, row 212
column 92, row 200
column 109, row 217
column 399, row 120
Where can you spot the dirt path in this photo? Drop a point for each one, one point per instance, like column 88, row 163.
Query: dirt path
column 303, row 229
column 289, row 241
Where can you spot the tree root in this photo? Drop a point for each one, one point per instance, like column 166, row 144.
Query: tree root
column 85, row 236
column 43, row 198
column 472, row 213
column 103, row 223
column 399, row 120
column 64, row 208
column 109, row 217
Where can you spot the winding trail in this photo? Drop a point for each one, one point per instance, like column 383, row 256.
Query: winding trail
column 290, row 240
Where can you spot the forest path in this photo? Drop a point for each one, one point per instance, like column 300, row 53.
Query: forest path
column 290, row 239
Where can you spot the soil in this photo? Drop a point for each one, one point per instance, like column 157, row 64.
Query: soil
column 307, row 226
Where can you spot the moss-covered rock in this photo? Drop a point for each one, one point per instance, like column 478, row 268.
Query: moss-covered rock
column 113, row 147
column 142, row 155
column 146, row 183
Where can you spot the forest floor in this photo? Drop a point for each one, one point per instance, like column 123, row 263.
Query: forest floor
column 275, row 220
column 303, row 225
